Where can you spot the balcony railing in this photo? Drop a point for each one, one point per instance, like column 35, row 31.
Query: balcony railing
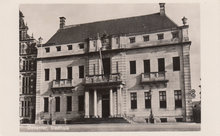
column 114, row 77
column 62, row 83
column 154, row 77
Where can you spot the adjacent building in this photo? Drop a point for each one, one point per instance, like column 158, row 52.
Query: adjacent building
column 137, row 68
column 27, row 73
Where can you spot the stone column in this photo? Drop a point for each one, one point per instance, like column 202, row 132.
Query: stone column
column 111, row 103
column 95, row 103
column 86, row 104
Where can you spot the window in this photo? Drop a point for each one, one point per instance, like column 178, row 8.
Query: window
column 94, row 69
column 163, row 103
column 133, row 100
column 146, row 38
column 46, row 104
column 132, row 67
column 58, row 73
column 117, row 71
column 132, row 40
column 160, row 36
column 57, row 101
column 179, row 119
column 81, row 71
column 70, row 47
column 117, row 40
column 47, row 50
column 175, row 34
column 147, row 96
column 81, row 103
column 47, row 74
column 69, row 72
column 58, row 48
column 178, row 98
column 69, row 103
column 176, row 63
column 162, row 120
column 81, row 45
column 146, row 66
column 161, row 65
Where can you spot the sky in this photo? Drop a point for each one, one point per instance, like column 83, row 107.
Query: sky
column 43, row 21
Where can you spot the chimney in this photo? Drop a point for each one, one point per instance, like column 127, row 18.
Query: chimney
column 162, row 9
column 62, row 22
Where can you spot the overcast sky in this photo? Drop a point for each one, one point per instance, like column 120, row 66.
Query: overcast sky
column 43, row 20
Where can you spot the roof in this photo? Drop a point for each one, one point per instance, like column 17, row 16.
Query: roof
column 138, row 24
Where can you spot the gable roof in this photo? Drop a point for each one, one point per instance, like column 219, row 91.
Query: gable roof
column 138, row 24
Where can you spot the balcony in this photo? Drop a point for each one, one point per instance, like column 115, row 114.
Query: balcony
column 62, row 83
column 101, row 79
column 153, row 77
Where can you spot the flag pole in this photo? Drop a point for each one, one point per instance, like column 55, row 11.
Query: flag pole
column 99, row 46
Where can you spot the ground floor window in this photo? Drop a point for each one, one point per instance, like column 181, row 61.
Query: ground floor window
column 163, row 103
column 46, row 104
column 57, row 99
column 81, row 103
column 163, row 120
column 133, row 100
column 69, row 103
column 178, row 98
column 147, row 100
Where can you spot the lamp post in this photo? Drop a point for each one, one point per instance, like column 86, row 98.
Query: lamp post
column 51, row 98
column 151, row 117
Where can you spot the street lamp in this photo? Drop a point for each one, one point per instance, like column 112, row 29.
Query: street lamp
column 51, row 98
column 151, row 117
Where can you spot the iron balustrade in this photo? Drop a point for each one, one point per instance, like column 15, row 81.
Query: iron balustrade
column 62, row 83
column 153, row 76
column 101, row 78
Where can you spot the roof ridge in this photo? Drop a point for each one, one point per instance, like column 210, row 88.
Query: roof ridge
column 70, row 26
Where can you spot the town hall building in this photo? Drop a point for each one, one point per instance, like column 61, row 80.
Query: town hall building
column 137, row 68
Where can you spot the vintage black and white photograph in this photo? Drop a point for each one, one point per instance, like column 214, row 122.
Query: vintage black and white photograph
column 109, row 67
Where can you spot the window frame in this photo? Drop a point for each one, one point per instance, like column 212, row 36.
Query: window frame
column 70, row 47
column 133, row 69
column 176, row 63
column 68, row 103
column 57, row 104
column 81, row 45
column 81, row 103
column 69, row 73
column 160, row 36
column 58, row 74
column 163, row 99
column 81, row 73
column 147, row 99
column 58, row 48
column 47, row 74
column 178, row 98
column 161, row 66
column 132, row 39
column 175, row 34
column 47, row 50
column 46, row 104
column 133, row 97
column 146, row 38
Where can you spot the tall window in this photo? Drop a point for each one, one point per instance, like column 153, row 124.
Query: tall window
column 132, row 40
column 81, row 103
column 132, row 67
column 81, row 71
column 146, row 66
column 161, row 65
column 160, row 36
column 94, row 69
column 58, row 73
column 147, row 100
column 47, row 74
column 117, row 40
column 69, row 72
column 57, row 101
column 46, row 104
column 133, row 100
column 178, row 98
column 69, row 103
column 163, row 103
column 117, row 71
column 176, row 63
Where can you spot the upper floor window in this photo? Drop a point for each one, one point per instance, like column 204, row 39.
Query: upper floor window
column 146, row 38
column 81, row 71
column 133, row 100
column 81, row 45
column 178, row 98
column 132, row 40
column 161, row 65
column 160, row 36
column 146, row 66
column 132, row 67
column 58, row 73
column 58, row 48
column 47, row 50
column 69, row 72
column 47, row 74
column 176, row 63
column 175, row 34
column 70, row 47
column 117, row 40
column 163, row 103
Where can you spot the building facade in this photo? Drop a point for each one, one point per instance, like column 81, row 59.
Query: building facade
column 137, row 68
column 27, row 73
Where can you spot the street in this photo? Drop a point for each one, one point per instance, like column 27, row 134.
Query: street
column 111, row 127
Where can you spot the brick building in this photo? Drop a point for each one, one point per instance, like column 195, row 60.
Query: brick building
column 137, row 68
column 27, row 73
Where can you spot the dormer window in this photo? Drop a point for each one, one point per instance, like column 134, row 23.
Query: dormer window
column 70, row 47
column 175, row 34
column 132, row 40
column 58, row 48
column 146, row 38
column 160, row 36
column 47, row 50
column 81, row 45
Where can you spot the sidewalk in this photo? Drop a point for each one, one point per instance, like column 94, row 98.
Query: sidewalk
column 111, row 127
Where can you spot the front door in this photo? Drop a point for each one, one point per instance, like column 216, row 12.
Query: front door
column 105, row 106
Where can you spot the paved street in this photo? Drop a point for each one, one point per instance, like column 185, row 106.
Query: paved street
column 111, row 127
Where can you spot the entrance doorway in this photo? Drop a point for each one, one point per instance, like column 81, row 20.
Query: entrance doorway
column 105, row 106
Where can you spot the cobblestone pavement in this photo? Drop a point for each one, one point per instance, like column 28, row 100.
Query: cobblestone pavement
column 111, row 127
